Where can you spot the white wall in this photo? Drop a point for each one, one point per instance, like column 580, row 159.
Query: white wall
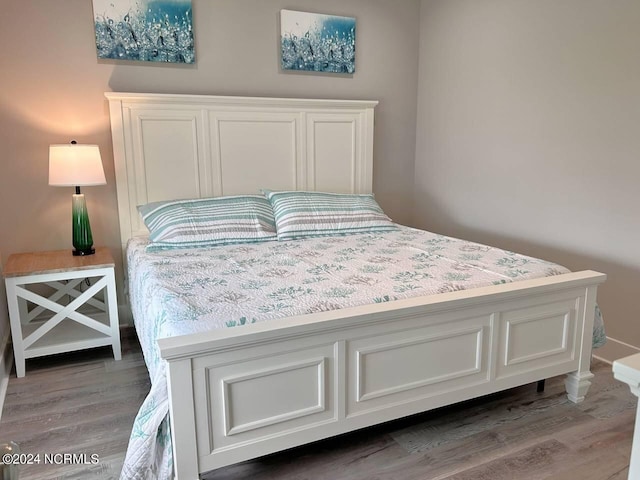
column 528, row 135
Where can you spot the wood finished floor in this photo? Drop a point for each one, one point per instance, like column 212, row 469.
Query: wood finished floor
column 85, row 402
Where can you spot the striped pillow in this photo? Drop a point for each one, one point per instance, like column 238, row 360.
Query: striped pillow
column 208, row 222
column 318, row 214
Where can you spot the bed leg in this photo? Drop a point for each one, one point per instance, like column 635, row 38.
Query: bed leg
column 577, row 385
column 540, row 387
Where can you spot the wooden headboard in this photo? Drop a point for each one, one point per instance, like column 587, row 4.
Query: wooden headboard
column 190, row 146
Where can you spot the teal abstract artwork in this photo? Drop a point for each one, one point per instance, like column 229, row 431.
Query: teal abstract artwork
column 144, row 30
column 317, row 43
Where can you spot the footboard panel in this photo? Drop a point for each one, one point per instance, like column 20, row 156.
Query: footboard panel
column 409, row 361
column 538, row 336
column 267, row 387
column 271, row 392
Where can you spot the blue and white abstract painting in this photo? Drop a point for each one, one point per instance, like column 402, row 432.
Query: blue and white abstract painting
column 317, row 43
column 145, row 30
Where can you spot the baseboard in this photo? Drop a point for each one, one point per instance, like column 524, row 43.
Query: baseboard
column 614, row 349
column 6, row 362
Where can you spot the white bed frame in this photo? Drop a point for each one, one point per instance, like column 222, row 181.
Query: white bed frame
column 243, row 392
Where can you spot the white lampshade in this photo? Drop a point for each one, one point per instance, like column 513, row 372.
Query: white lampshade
column 72, row 165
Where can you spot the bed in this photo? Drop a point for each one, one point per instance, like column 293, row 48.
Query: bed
column 238, row 393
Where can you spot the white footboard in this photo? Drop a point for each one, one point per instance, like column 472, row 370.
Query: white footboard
column 243, row 392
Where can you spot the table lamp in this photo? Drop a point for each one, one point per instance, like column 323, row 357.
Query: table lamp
column 74, row 165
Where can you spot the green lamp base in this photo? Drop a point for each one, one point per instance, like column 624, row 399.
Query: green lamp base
column 82, row 238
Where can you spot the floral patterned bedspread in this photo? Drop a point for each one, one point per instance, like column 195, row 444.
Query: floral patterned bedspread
column 177, row 292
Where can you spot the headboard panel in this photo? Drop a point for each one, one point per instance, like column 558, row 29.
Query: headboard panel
column 189, row 146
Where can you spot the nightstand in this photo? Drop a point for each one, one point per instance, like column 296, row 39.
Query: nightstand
column 49, row 323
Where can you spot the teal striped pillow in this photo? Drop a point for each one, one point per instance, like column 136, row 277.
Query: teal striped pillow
column 317, row 214
column 208, row 222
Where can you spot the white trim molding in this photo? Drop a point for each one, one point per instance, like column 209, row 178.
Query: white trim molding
column 6, row 357
column 614, row 349
column 6, row 362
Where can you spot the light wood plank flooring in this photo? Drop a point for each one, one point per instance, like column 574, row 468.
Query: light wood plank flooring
column 85, row 402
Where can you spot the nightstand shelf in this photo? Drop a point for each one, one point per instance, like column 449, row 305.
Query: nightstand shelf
column 64, row 337
column 55, row 323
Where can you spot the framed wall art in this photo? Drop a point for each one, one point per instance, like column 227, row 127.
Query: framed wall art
column 317, row 43
column 144, row 30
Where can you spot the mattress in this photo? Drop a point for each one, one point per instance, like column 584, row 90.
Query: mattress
column 178, row 292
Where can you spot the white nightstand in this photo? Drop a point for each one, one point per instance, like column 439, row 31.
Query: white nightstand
column 627, row 370
column 76, row 281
